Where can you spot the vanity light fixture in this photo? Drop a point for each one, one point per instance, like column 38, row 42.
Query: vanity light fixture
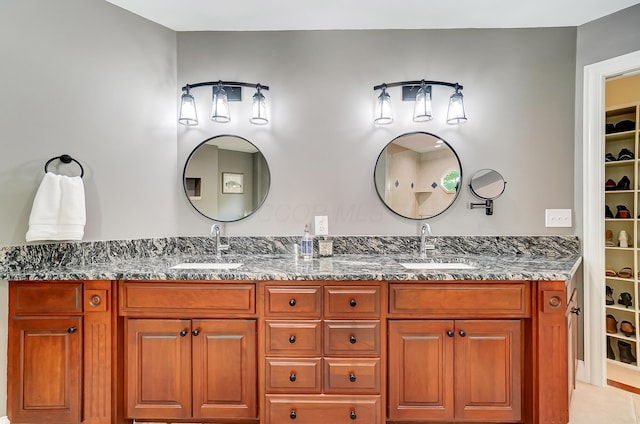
column 223, row 92
column 259, row 108
column 220, row 105
column 188, row 115
column 420, row 92
column 383, row 108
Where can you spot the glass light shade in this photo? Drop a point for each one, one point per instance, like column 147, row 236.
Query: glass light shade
column 422, row 109
column 259, row 109
column 188, row 115
column 383, row 109
column 220, row 108
column 455, row 114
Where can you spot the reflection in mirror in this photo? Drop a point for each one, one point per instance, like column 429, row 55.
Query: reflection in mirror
column 487, row 184
column 226, row 178
column 418, row 175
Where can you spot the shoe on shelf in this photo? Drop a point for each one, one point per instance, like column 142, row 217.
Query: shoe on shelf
column 625, row 272
column 612, row 324
column 625, row 125
column 609, row 272
column 610, row 354
column 625, row 154
column 623, row 184
column 623, row 212
column 623, row 299
column 609, row 300
column 608, row 238
column 610, row 185
column 609, row 158
column 623, row 239
column 609, row 128
column 608, row 213
column 627, row 328
column 626, row 355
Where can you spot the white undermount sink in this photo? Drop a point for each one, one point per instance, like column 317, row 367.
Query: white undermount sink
column 207, row 265
column 436, row 265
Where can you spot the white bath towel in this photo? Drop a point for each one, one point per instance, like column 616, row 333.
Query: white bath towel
column 58, row 211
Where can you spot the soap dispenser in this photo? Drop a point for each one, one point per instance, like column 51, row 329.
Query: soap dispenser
column 306, row 244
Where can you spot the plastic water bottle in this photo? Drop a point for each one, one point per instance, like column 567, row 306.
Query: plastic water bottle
column 306, row 244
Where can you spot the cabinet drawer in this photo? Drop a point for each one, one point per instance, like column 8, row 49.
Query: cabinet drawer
column 195, row 299
column 460, row 300
column 323, row 409
column 293, row 375
column 352, row 375
column 293, row 338
column 290, row 301
column 45, row 298
column 352, row 337
column 360, row 301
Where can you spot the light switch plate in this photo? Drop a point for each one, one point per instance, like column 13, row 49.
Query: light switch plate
column 557, row 217
column 321, row 226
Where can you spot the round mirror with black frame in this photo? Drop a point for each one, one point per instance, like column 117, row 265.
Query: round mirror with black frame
column 226, row 178
column 417, row 175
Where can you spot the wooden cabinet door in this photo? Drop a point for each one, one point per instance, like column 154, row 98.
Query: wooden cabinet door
column 488, row 370
column 420, row 359
column 45, row 370
column 158, row 368
column 224, row 368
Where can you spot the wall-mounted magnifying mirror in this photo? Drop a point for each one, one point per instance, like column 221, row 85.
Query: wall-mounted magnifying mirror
column 226, row 178
column 418, row 175
column 488, row 185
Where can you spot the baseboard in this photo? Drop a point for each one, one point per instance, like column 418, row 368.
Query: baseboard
column 4, row 420
column 623, row 386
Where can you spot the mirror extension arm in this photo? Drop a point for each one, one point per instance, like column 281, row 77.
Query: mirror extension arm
column 487, row 204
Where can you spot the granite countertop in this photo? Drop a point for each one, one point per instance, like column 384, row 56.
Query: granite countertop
column 343, row 267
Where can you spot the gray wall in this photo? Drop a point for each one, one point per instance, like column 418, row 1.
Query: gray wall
column 602, row 39
column 321, row 143
column 89, row 79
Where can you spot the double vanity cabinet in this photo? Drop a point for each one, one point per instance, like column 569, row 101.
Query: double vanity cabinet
column 275, row 352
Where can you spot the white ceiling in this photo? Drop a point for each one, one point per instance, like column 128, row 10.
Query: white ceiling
column 256, row 15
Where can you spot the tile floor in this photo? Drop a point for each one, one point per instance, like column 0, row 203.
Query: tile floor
column 603, row 405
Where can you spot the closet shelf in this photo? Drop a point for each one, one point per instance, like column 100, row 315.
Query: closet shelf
column 619, row 257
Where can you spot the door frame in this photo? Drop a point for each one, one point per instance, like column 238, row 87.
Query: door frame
column 593, row 128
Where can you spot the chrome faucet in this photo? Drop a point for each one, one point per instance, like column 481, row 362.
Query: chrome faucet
column 425, row 231
column 215, row 231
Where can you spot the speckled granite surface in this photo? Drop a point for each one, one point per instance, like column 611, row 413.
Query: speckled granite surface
column 271, row 258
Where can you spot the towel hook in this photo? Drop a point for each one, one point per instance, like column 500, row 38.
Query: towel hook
column 64, row 159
